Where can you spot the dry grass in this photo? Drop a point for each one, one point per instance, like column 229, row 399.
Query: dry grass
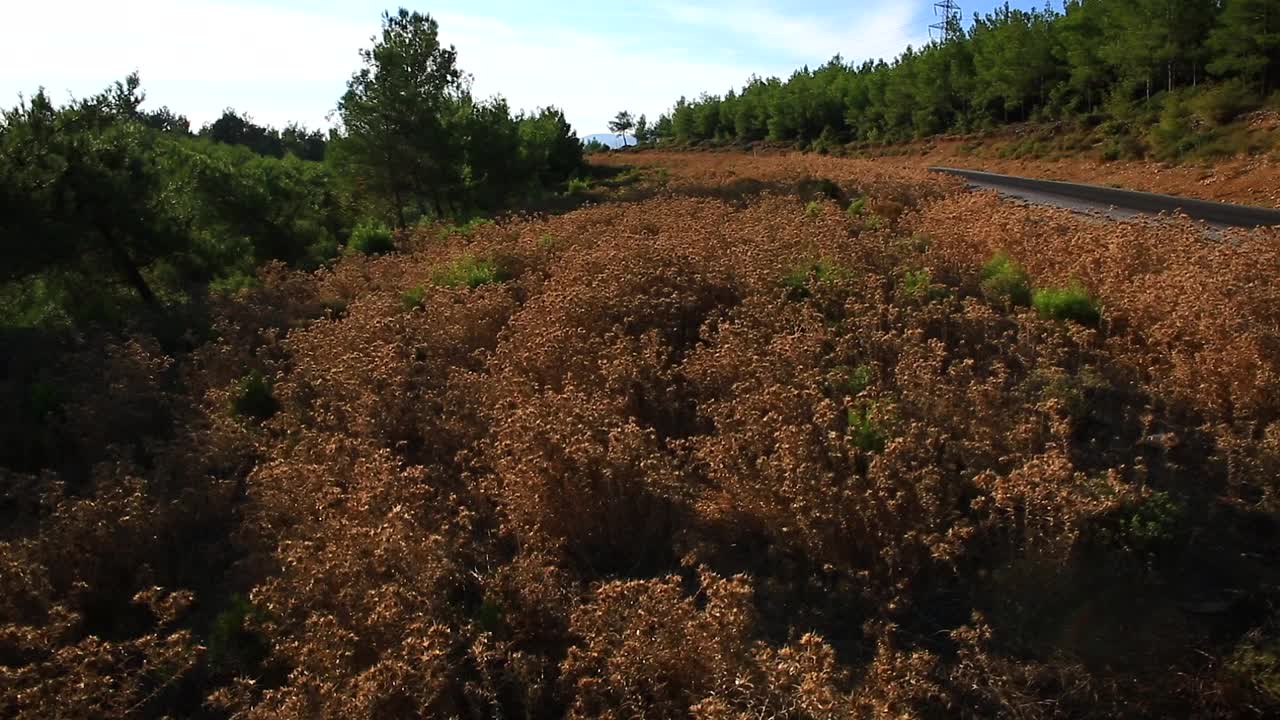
column 634, row 479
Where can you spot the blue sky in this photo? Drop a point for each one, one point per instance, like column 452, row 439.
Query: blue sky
column 283, row 60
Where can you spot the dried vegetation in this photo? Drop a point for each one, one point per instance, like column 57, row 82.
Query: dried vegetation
column 720, row 448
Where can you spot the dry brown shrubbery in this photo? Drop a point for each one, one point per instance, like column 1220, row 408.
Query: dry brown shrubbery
column 719, row 449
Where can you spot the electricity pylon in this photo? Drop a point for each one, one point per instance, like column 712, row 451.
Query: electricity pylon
column 948, row 14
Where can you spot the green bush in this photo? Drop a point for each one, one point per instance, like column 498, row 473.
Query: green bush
column 857, row 208
column 812, row 210
column 1145, row 525
column 470, row 272
column 1224, row 101
column 468, row 228
column 1070, row 303
column 1256, row 662
column 919, row 285
column 1004, row 282
column 866, row 428
column 852, row 380
column 1174, row 136
column 253, row 399
column 232, row 284
column 371, row 238
column 233, row 647
column 872, row 222
column 413, row 297
column 1123, row 147
column 798, row 278
column 578, row 186
column 1152, row 522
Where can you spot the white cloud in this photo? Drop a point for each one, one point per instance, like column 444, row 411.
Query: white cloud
column 591, row 77
column 199, row 56
column 868, row 31
column 185, row 51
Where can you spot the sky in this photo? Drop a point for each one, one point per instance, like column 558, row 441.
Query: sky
column 289, row 60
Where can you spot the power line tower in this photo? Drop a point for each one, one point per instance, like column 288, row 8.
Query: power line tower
column 948, row 14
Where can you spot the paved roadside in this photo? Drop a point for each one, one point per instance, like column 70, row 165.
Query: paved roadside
column 1115, row 202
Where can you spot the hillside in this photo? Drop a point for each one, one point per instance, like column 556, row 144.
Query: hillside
column 785, row 437
column 1248, row 173
column 1166, row 80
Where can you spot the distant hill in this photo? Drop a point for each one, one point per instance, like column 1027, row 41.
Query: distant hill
column 608, row 139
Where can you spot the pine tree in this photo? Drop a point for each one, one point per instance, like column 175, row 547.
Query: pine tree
column 1246, row 42
column 621, row 124
column 642, row 130
column 405, row 113
column 83, row 189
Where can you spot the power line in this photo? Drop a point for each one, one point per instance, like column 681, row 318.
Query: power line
column 948, row 14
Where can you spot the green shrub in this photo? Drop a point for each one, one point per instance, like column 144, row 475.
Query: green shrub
column 857, row 208
column 1123, row 147
column 252, row 398
column 470, row 272
column 1004, row 282
column 866, row 428
column 1224, row 101
column 872, row 222
column 232, row 284
column 413, row 297
column 469, row 227
column 1256, row 662
column 852, row 380
column 1152, row 522
column 1144, row 526
column 233, row 647
column 919, row 285
column 813, row 210
column 1174, row 136
column 630, row 177
column 370, row 238
column 797, row 279
column 1070, row 303
column 578, row 186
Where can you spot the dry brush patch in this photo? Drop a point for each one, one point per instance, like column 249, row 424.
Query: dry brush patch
column 755, row 439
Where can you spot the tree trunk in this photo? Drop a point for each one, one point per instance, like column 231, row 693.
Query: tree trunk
column 399, row 201
column 130, row 270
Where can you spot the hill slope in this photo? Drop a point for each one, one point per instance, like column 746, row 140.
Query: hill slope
column 744, row 436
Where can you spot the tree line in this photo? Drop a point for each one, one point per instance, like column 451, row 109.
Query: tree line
column 104, row 204
column 1125, row 62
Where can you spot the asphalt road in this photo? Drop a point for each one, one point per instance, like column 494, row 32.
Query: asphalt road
column 1117, row 203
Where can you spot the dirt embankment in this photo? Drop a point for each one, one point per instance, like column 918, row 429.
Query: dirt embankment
column 1247, row 179
column 1040, row 152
